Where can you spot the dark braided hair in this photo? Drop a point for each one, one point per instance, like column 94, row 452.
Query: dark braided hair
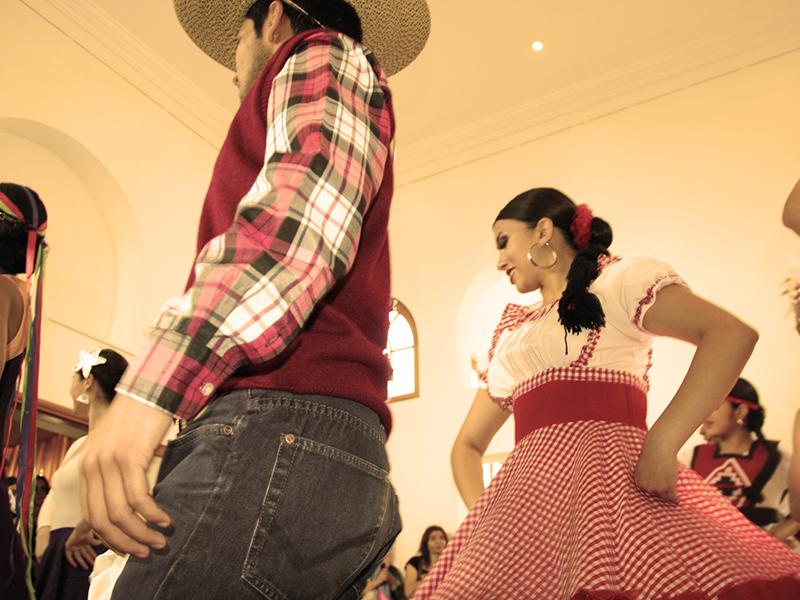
column 578, row 308
column 744, row 390
column 14, row 232
column 754, row 421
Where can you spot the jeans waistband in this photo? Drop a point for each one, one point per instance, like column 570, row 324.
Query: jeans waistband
column 240, row 401
column 357, row 409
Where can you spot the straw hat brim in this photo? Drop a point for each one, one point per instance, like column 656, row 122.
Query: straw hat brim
column 395, row 30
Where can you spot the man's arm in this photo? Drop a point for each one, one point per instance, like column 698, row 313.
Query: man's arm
column 295, row 234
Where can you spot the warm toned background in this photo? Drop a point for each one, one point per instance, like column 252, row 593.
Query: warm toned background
column 679, row 123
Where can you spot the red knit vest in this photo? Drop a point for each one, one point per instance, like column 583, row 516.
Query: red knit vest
column 339, row 351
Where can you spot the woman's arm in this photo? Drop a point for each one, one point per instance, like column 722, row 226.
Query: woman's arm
column 785, row 530
column 42, row 540
column 484, row 419
column 794, row 472
column 410, row 584
column 43, row 528
column 724, row 345
column 5, row 312
column 791, row 210
column 12, row 307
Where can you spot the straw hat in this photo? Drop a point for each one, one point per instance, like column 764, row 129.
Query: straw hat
column 395, row 30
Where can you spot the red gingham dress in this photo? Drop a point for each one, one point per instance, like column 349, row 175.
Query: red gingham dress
column 563, row 519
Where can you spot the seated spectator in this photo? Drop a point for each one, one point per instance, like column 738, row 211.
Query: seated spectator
column 387, row 582
column 433, row 543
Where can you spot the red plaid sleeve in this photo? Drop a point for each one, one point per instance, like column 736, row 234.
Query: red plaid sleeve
column 295, row 234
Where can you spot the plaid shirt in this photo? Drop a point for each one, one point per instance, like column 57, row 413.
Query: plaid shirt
column 295, row 234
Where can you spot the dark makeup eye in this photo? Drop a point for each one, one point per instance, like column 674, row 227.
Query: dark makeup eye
column 502, row 241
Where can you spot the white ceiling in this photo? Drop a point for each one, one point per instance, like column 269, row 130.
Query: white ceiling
column 479, row 62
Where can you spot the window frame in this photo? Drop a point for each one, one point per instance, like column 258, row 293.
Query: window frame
column 402, row 311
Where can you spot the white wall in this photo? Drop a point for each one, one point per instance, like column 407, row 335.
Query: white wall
column 123, row 181
column 696, row 178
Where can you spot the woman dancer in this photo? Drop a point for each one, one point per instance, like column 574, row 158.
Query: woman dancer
column 590, row 504
column 23, row 221
column 67, row 545
column 748, row 469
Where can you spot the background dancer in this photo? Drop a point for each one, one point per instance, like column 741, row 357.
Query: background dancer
column 749, row 470
column 23, row 221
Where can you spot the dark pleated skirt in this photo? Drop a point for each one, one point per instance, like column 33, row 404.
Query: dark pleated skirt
column 57, row 579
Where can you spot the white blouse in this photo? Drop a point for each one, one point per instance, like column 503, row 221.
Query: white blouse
column 62, row 507
column 529, row 347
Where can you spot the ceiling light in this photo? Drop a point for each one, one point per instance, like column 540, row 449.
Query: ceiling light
column 537, row 46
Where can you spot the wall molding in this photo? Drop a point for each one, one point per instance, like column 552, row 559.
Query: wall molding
column 689, row 65
column 612, row 92
column 102, row 36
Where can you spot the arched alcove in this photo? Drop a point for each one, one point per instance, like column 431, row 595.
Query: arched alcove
column 94, row 263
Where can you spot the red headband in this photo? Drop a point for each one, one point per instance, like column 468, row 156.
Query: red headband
column 747, row 403
column 581, row 226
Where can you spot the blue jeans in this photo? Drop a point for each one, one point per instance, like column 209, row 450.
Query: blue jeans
column 272, row 495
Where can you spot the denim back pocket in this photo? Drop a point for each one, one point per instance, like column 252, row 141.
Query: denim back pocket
column 195, row 458
column 321, row 514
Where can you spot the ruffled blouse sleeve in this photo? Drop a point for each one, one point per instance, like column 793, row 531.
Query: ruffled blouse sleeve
column 629, row 289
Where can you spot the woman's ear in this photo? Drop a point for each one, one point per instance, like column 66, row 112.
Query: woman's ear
column 741, row 412
column 544, row 230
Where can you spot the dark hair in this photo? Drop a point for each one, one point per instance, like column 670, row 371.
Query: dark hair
column 578, row 308
column 46, row 483
column 109, row 373
column 744, row 390
column 13, row 244
column 14, row 232
column 423, row 545
column 334, row 14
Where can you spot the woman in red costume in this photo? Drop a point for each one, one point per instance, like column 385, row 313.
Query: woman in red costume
column 592, row 504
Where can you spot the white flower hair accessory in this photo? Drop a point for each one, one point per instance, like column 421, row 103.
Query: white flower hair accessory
column 88, row 360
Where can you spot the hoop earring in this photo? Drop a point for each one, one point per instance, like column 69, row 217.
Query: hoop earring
column 535, row 264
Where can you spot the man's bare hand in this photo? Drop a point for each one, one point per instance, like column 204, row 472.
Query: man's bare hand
column 115, row 494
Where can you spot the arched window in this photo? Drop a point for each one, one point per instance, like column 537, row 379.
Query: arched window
column 491, row 465
column 401, row 350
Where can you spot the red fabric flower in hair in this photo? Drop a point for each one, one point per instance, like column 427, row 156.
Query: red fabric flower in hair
column 581, row 226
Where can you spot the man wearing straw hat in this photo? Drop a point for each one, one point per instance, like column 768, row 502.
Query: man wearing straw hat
column 278, row 487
